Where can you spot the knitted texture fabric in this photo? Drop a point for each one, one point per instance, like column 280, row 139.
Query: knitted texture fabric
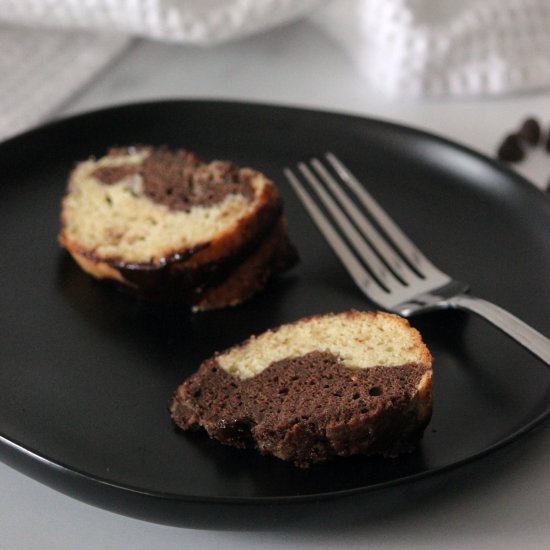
column 186, row 21
column 427, row 48
column 41, row 69
column 49, row 49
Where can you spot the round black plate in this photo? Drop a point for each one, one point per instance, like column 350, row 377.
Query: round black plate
column 87, row 372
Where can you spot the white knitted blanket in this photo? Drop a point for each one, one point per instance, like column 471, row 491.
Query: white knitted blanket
column 445, row 47
column 49, row 49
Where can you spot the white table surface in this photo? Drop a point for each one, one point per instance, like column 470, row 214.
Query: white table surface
column 502, row 502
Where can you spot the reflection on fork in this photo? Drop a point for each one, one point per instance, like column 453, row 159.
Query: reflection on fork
column 384, row 263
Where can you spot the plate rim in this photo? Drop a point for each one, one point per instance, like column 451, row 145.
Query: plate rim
column 228, row 102
column 71, row 471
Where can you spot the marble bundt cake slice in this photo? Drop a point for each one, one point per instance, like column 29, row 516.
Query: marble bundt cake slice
column 167, row 225
column 325, row 386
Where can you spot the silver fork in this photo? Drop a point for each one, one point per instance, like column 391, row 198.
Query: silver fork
column 389, row 269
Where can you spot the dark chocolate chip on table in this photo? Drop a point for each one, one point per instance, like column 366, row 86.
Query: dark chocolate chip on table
column 510, row 149
column 530, row 131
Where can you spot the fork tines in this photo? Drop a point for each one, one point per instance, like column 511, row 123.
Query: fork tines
column 381, row 259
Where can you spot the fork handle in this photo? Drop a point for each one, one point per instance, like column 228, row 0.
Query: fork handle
column 525, row 335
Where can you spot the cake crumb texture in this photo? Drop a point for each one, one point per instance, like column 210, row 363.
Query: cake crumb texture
column 309, row 405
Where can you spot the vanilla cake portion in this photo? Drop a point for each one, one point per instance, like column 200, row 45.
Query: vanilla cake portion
column 360, row 340
column 331, row 385
column 163, row 222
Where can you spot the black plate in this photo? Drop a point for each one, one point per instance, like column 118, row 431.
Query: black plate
column 87, row 372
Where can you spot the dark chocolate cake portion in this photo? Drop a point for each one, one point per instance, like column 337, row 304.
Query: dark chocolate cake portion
column 178, row 179
column 306, row 409
column 173, row 179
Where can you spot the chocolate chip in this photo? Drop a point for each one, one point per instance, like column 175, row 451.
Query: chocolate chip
column 530, row 131
column 510, row 149
column 547, row 144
